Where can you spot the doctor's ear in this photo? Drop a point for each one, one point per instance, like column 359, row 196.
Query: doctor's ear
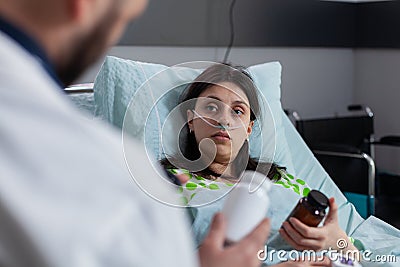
column 79, row 10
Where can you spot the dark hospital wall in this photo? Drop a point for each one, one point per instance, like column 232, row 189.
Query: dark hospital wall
column 267, row 23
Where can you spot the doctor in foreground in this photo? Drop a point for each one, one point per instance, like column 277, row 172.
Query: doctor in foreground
column 66, row 197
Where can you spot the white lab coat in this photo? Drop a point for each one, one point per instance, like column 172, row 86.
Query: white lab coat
column 66, row 197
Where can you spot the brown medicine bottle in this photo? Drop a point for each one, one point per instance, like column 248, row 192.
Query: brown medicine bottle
column 311, row 209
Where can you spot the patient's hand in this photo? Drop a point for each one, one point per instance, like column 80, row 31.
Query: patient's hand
column 212, row 252
column 303, row 237
column 244, row 253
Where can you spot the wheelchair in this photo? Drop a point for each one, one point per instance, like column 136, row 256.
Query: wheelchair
column 345, row 148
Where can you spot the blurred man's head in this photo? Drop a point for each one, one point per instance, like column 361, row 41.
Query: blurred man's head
column 74, row 33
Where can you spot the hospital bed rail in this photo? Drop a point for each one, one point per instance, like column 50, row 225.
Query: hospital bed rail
column 82, row 95
column 79, row 88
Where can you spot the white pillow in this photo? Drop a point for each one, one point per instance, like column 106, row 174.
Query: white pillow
column 120, row 81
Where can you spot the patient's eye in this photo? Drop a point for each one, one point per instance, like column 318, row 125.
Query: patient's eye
column 211, row 108
column 238, row 112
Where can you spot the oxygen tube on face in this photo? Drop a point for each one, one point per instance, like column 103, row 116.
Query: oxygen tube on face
column 219, row 125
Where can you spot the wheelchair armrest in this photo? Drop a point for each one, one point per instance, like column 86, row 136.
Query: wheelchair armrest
column 389, row 140
column 339, row 148
column 362, row 156
column 371, row 170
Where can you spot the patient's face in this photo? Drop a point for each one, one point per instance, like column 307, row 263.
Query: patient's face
column 225, row 104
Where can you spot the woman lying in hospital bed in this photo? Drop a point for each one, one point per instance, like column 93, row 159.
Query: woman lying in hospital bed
column 221, row 106
column 129, row 89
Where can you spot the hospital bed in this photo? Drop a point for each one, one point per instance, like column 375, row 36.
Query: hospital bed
column 119, row 81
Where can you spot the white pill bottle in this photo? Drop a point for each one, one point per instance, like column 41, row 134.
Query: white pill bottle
column 246, row 205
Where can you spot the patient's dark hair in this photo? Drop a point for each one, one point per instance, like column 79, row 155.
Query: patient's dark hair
column 217, row 74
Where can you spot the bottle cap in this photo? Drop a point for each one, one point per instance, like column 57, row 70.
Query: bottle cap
column 317, row 199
